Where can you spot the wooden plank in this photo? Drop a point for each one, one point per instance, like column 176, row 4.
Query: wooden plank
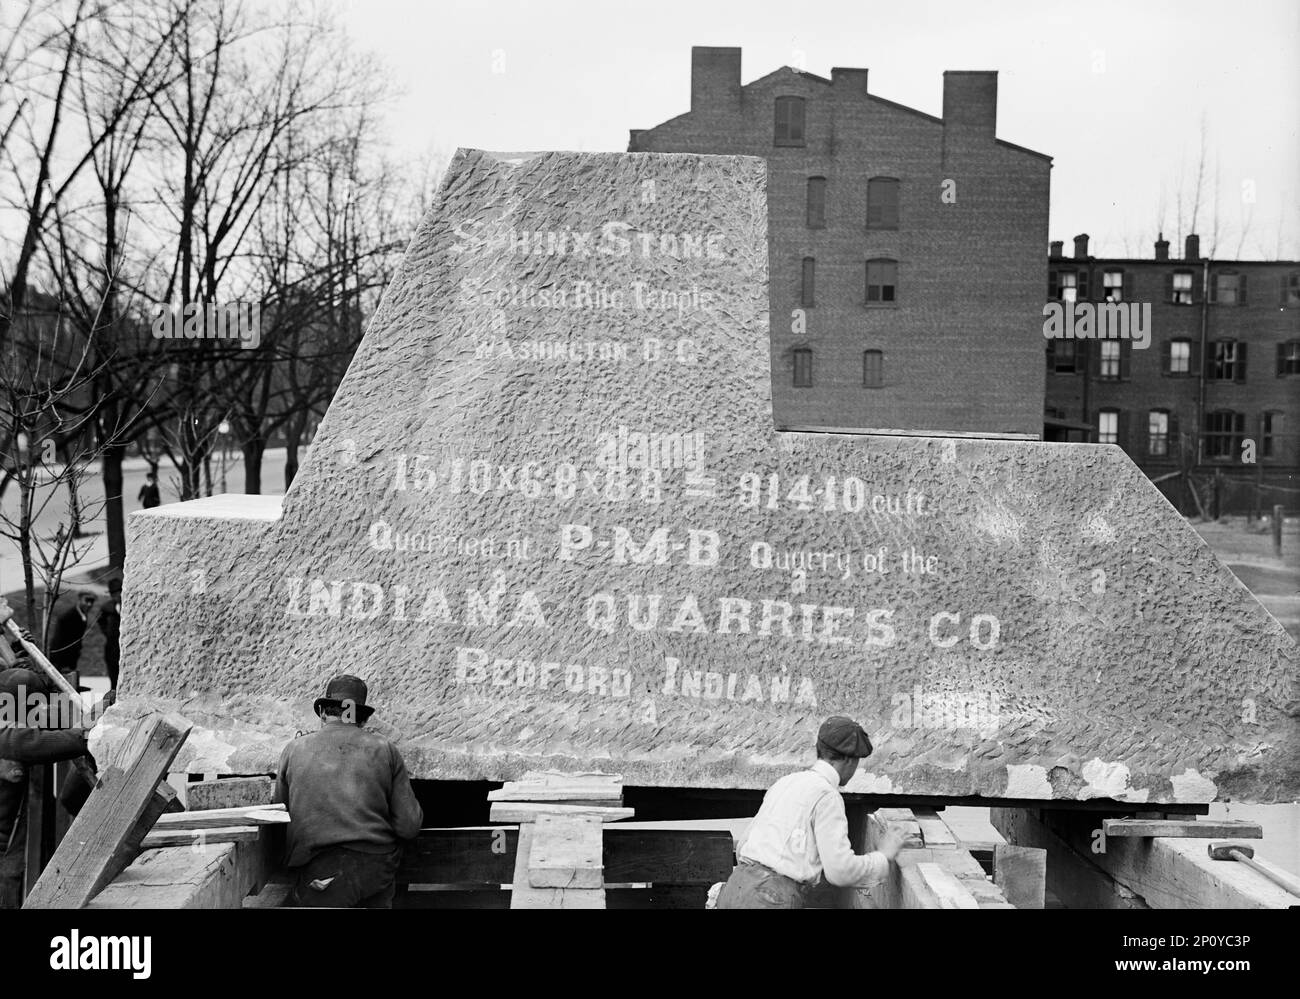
column 96, row 842
column 229, row 792
column 198, row 838
column 218, row 877
column 1021, row 873
column 668, row 856
column 930, row 886
column 593, row 789
column 219, row 818
column 1225, row 829
column 1170, row 873
column 484, row 856
column 934, row 831
column 566, row 852
column 40, row 808
column 525, row 811
column 524, row 896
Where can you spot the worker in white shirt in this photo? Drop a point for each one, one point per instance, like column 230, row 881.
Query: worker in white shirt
column 801, row 831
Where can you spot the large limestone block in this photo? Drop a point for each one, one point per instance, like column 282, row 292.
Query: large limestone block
column 548, row 520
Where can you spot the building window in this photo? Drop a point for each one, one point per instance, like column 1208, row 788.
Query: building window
column 1223, row 433
column 1291, row 289
column 807, row 282
column 1108, row 360
column 882, row 281
column 1112, row 283
column 816, row 202
column 1288, row 358
column 1063, row 286
column 1108, row 426
column 1270, row 430
column 882, row 203
column 1180, row 288
column 1158, row 433
column 1227, row 361
column 873, row 369
column 789, row 121
column 802, row 367
column 1228, row 289
column 1063, row 357
column 1178, row 357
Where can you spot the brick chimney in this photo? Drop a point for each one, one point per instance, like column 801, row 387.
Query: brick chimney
column 1081, row 246
column 849, row 81
column 1162, row 247
column 1057, row 249
column 715, row 80
column 1192, row 248
column 970, row 100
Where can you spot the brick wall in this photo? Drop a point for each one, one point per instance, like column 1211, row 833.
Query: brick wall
column 963, row 344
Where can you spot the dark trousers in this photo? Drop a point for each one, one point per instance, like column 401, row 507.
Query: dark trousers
column 346, row 879
column 753, row 886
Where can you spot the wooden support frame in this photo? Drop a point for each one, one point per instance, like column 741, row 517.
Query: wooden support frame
column 1158, row 872
column 217, row 876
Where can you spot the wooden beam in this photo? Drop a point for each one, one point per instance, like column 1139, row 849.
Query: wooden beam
column 483, row 856
column 957, row 862
column 229, row 792
column 668, row 856
column 1071, row 877
column 524, row 896
column 594, row 789
column 218, row 877
column 97, row 842
column 934, row 831
column 930, row 886
column 1021, row 873
column 1226, row 829
column 1170, row 873
column 525, row 811
column 566, row 852
column 199, row 838
column 218, row 818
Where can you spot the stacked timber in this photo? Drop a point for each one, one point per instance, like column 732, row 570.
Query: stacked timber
column 559, row 853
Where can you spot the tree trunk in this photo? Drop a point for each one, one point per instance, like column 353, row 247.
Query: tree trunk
column 114, row 516
column 253, row 449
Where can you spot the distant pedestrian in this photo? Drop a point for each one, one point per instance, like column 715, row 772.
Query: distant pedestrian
column 67, row 631
column 148, row 495
column 110, row 623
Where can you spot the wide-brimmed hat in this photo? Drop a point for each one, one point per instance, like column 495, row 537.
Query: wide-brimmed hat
column 345, row 691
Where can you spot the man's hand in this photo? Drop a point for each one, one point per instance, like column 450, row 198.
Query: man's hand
column 891, row 841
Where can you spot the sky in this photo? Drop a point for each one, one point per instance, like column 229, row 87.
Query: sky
column 1118, row 93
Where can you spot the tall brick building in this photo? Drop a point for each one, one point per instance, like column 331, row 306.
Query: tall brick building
column 906, row 251
column 1218, row 384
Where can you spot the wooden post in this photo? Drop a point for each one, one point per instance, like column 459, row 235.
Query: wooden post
column 1277, row 531
column 1021, row 873
column 40, row 822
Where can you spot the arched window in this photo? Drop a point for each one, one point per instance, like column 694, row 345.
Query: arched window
column 789, row 121
column 807, row 282
column 882, row 203
column 873, row 369
column 882, row 281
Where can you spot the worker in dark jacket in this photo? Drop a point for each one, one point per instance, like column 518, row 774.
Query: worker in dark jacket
column 67, row 631
column 350, row 804
column 22, row 746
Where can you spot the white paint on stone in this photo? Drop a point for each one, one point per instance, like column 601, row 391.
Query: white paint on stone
column 1110, row 780
column 868, row 783
column 1027, row 780
column 1192, row 786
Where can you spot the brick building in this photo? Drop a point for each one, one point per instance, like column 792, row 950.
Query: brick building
column 906, row 265
column 1219, row 379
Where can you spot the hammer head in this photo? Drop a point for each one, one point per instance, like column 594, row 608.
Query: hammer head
column 1223, row 851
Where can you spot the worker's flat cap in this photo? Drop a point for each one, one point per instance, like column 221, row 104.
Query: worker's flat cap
column 845, row 736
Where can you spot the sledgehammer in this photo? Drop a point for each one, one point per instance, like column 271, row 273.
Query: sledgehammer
column 1246, row 855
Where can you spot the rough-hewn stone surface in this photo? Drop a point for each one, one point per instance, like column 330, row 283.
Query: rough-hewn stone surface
column 1064, row 635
